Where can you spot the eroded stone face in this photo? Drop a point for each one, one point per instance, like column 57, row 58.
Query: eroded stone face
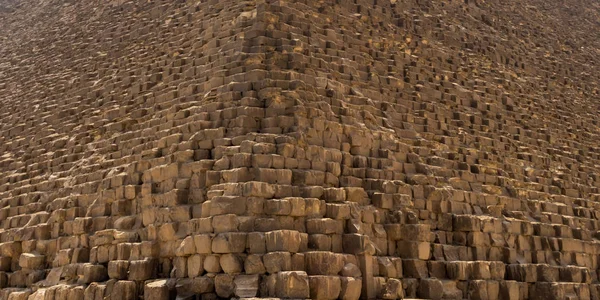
column 298, row 149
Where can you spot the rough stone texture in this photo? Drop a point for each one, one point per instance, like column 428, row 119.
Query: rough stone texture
column 295, row 149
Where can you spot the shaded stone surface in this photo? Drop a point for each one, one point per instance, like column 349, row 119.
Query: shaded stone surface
column 296, row 149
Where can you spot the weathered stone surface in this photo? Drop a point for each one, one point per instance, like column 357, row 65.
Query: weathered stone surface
column 431, row 289
column 283, row 240
column 299, row 149
column 246, row 286
column 323, row 263
column 31, row 261
column 350, row 289
column 292, row 284
column 157, row 290
column 350, row 270
column 324, row 287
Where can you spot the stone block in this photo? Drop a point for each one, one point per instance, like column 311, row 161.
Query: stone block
column 126, row 290
column 231, row 263
column 350, row 289
column 202, row 243
column 94, row 273
column 522, row 273
column 415, row 268
column 417, row 250
column 292, row 284
column 351, row 270
column 415, row 232
column 283, row 240
column 548, row 291
column 231, row 242
column 195, row 265
column 140, row 270
column 323, row 263
column 32, row 261
column 390, row 288
column 118, row 269
column 431, row 289
column 253, row 264
column 277, row 261
column 224, row 285
column 157, row 290
column 324, row 287
column 246, row 286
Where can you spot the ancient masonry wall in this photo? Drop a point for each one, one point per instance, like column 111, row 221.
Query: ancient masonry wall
column 289, row 149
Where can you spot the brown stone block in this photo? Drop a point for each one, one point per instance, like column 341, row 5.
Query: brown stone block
column 253, row 264
column 277, row 262
column 430, row 289
column 419, row 250
column 246, row 286
column 231, row 242
column 415, row 268
column 293, row 284
column 118, row 269
column 31, row 261
column 140, row 270
column 324, row 287
column 283, row 240
column 157, row 290
column 323, row 263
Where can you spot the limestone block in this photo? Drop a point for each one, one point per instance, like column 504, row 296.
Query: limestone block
column 277, row 261
column 522, row 273
column 409, row 249
column 415, row 268
column 350, row 289
column 231, row 263
column 323, row 263
column 224, row 285
column 118, row 269
column 212, row 264
column 431, row 289
column 222, row 205
column 466, row 223
column 324, row 226
column 258, row 189
column 324, row 287
column 356, row 194
column 179, row 269
column 31, row 261
column 186, row 247
column 202, row 285
column 253, row 264
column 126, row 290
column 548, row 290
column 256, row 242
column 225, row 223
column 350, row 270
column 390, row 288
column 246, row 286
column 231, row 242
column 94, row 273
column 386, row 267
column 10, row 249
column 140, row 270
column 548, row 273
column 292, row 284
column 157, row 290
column 202, row 243
column 283, row 240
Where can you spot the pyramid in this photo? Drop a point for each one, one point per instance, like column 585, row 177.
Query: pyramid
column 332, row 149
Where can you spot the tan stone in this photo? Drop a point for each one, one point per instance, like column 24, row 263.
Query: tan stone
column 292, row 284
column 283, row 240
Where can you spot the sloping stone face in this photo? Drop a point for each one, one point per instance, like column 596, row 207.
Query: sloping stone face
column 294, row 149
